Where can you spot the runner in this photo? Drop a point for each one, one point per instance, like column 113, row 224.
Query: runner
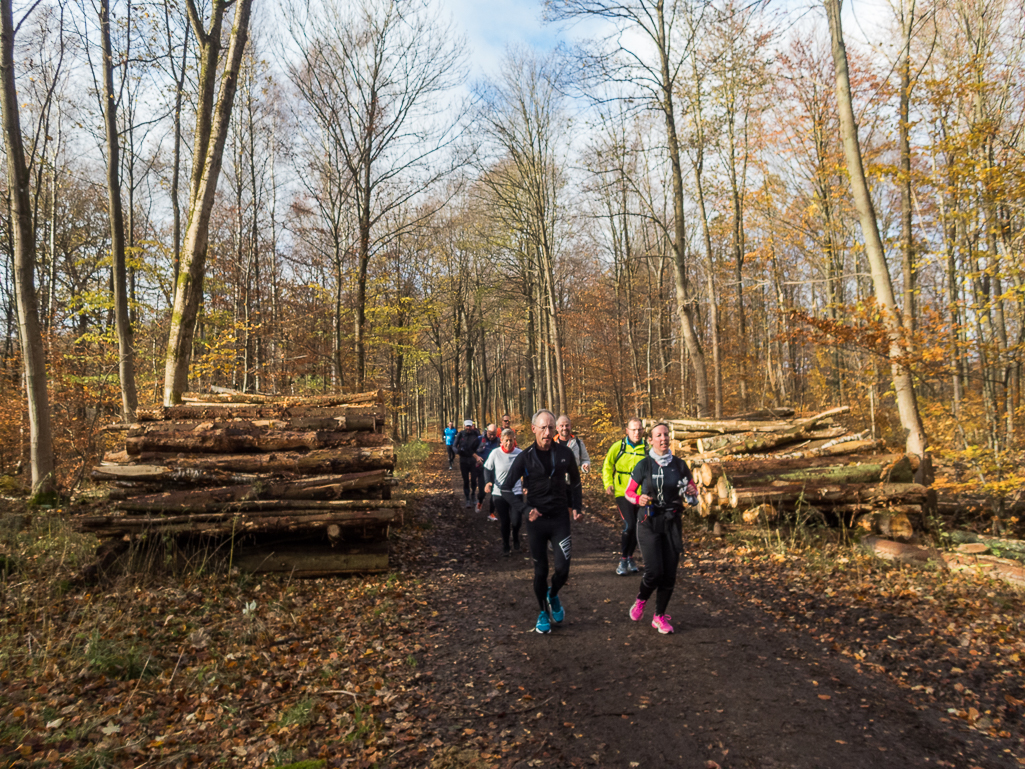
column 660, row 484
column 508, row 504
column 615, row 474
column 573, row 443
column 465, row 445
column 544, row 469
column 488, row 443
column 450, row 435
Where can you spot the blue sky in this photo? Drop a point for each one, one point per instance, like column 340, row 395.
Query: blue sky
column 493, row 25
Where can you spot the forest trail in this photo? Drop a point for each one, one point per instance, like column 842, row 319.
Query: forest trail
column 731, row 688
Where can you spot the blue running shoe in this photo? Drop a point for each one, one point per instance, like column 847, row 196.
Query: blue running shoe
column 543, row 625
column 555, row 607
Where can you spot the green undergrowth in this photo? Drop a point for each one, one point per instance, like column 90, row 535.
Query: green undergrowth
column 410, row 457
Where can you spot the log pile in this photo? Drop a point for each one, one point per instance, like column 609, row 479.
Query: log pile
column 230, row 464
column 771, row 465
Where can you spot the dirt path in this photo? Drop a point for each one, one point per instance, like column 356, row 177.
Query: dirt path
column 730, row 688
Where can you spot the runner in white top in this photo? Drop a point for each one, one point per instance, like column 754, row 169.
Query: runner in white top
column 509, row 506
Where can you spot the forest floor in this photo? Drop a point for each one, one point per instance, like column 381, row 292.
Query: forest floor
column 789, row 651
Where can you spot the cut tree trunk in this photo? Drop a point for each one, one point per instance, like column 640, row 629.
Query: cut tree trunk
column 899, row 471
column 233, row 397
column 236, row 440
column 708, row 473
column 240, row 521
column 325, row 487
column 256, row 506
column 354, row 424
column 826, row 493
column 320, row 461
column 214, row 412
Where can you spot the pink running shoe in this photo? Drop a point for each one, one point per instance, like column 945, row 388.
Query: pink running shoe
column 637, row 610
column 661, row 623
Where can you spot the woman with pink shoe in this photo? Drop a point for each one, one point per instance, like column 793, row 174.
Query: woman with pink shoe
column 660, row 484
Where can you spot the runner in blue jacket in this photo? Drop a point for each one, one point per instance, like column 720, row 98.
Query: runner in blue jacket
column 450, row 436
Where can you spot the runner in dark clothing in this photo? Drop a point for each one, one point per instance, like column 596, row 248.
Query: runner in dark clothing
column 660, row 485
column 466, row 444
column 550, row 478
column 488, row 443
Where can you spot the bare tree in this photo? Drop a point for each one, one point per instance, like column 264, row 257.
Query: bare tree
column 903, row 385
column 109, row 102
column 210, row 135
column 374, row 77
column 44, row 483
column 522, row 115
column 659, row 76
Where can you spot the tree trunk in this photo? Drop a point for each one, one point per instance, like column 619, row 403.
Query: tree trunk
column 683, row 298
column 44, row 482
column 210, row 136
column 122, row 321
column 903, row 385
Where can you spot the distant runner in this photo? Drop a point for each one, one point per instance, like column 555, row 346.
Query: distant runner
column 566, row 437
column 488, row 443
column 623, row 456
column 465, row 445
column 509, row 504
column 450, row 436
column 660, row 484
column 544, row 469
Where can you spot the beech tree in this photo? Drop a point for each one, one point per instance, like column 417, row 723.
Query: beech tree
column 659, row 77
column 522, row 116
column 210, row 135
column 44, row 482
column 903, row 385
column 375, row 79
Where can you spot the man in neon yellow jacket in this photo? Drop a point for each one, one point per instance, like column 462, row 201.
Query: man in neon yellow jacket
column 623, row 456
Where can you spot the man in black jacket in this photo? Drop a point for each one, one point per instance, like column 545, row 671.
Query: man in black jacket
column 466, row 444
column 552, row 492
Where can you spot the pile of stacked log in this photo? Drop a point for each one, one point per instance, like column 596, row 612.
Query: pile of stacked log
column 772, row 465
column 232, row 464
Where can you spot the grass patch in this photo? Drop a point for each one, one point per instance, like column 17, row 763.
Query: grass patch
column 299, row 714
column 409, row 456
column 119, row 659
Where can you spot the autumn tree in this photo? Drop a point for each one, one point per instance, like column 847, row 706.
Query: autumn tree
column 522, row 117
column 209, row 137
column 903, row 385
column 657, row 75
column 24, row 242
column 376, row 77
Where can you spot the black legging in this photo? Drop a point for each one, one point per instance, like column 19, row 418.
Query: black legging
column 661, row 560
column 510, row 513
column 539, row 534
column 628, row 540
column 481, row 493
column 468, row 469
column 451, row 453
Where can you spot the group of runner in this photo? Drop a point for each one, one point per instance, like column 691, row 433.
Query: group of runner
column 542, row 484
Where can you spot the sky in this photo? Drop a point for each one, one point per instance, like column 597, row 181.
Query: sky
column 492, row 26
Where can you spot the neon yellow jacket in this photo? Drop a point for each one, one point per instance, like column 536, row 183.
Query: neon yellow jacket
column 616, row 473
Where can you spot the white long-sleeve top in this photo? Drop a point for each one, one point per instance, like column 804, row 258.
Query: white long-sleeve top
column 499, row 463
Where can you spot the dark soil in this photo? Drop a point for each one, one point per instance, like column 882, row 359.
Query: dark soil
column 736, row 685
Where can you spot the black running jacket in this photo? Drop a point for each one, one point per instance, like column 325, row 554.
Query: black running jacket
column 544, row 476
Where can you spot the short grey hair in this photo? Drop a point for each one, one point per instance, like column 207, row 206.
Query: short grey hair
column 539, row 412
column 508, row 432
